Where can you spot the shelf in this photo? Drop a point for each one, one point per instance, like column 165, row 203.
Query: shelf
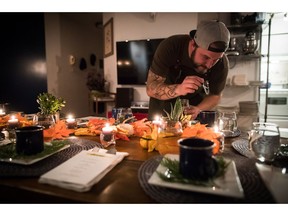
column 244, row 56
column 243, row 86
column 246, row 27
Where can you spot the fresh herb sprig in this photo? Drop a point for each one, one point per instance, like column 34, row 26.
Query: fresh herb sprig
column 9, row 151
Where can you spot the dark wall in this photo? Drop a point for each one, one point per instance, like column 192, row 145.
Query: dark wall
column 22, row 60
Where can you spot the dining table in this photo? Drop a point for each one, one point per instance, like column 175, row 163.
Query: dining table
column 127, row 182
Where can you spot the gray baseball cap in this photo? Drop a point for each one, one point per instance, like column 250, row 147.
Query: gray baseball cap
column 209, row 33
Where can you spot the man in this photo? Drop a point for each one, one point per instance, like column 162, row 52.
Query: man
column 191, row 66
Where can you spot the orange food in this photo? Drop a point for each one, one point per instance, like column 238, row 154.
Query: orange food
column 201, row 131
column 121, row 136
column 95, row 125
column 142, row 127
column 59, row 131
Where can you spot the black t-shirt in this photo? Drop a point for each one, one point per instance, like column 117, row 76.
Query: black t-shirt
column 171, row 60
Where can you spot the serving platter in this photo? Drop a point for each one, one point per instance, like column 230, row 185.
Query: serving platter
column 82, row 122
column 227, row 185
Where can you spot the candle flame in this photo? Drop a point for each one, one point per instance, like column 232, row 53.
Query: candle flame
column 157, row 118
column 70, row 116
column 12, row 117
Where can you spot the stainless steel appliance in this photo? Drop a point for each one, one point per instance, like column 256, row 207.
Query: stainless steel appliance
column 277, row 106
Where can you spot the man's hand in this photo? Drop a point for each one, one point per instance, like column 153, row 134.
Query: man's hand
column 189, row 85
column 192, row 110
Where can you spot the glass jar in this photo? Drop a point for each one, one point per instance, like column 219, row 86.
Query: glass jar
column 169, row 134
column 46, row 121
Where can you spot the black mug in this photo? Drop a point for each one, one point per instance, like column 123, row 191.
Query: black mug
column 207, row 117
column 29, row 140
column 196, row 159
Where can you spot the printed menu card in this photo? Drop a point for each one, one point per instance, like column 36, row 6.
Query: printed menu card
column 82, row 171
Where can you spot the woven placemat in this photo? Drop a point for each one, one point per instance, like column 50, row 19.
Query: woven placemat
column 254, row 189
column 41, row 167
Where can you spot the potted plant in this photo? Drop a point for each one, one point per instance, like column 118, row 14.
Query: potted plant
column 49, row 106
column 173, row 123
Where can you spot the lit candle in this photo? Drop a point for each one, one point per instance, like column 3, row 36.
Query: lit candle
column 71, row 123
column 157, row 121
column 107, row 136
column 107, row 129
column 216, row 129
column 220, row 138
column 13, row 122
column 2, row 112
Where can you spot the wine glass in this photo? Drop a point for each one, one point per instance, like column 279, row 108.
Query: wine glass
column 227, row 122
column 264, row 140
column 185, row 105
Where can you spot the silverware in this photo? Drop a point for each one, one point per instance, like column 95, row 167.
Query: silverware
column 112, row 150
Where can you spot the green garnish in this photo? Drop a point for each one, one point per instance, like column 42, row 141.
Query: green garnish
column 172, row 173
column 9, row 151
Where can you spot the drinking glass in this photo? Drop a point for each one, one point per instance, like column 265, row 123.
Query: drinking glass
column 264, row 140
column 227, row 122
column 185, row 105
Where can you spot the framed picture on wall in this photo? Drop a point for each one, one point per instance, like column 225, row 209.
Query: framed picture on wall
column 108, row 38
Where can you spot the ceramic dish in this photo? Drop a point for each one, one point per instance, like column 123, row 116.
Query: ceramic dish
column 228, row 185
column 28, row 160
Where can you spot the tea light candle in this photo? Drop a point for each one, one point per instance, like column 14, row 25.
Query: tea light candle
column 220, row 138
column 157, row 121
column 71, row 123
column 107, row 129
column 13, row 122
column 216, row 129
column 2, row 112
column 107, row 136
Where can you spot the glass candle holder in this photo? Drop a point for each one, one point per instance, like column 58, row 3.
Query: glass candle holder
column 71, row 123
column 107, row 136
column 13, row 123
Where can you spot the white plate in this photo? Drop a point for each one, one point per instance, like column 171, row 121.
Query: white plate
column 84, row 120
column 275, row 181
column 230, row 184
column 31, row 159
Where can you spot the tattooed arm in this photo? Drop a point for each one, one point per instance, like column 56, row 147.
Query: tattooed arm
column 158, row 89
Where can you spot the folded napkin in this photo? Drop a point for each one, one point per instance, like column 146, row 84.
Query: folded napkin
column 82, row 171
column 275, row 181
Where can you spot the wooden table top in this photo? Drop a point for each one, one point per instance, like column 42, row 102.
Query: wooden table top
column 121, row 184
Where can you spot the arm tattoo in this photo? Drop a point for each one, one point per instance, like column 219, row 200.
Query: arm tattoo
column 158, row 89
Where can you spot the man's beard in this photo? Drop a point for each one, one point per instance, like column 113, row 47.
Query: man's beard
column 198, row 67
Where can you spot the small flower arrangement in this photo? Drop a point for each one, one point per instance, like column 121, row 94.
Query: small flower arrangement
column 49, row 104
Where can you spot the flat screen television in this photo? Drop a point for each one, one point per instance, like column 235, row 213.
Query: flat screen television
column 134, row 59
